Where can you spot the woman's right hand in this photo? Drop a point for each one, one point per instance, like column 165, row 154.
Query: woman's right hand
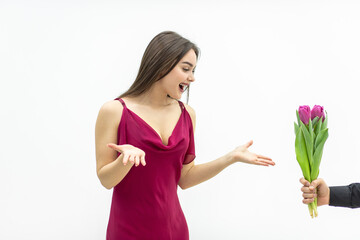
column 130, row 153
column 242, row 154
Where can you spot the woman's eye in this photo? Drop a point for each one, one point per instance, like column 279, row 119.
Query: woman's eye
column 186, row 69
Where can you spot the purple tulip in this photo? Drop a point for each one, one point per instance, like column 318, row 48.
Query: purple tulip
column 305, row 114
column 318, row 111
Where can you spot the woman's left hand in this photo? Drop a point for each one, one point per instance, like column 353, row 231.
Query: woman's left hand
column 242, row 154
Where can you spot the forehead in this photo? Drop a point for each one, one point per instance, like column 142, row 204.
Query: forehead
column 190, row 57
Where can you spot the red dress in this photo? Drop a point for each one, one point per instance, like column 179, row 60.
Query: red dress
column 145, row 203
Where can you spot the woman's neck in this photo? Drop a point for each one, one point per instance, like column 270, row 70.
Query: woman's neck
column 155, row 98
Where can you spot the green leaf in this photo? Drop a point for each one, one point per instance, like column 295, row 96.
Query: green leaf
column 311, row 131
column 319, row 126
column 298, row 117
column 321, row 137
column 315, row 176
column 309, row 143
column 301, row 154
column 296, row 127
column 315, row 121
column 324, row 125
column 319, row 143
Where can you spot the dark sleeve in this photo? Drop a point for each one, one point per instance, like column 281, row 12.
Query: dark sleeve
column 345, row 196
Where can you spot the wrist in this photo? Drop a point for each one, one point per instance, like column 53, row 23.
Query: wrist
column 327, row 201
column 230, row 158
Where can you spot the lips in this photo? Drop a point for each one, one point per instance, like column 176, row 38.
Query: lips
column 183, row 86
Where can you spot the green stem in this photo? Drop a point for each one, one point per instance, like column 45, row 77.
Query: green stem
column 315, row 207
column 310, row 206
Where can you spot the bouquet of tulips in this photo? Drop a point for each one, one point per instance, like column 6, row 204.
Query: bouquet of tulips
column 311, row 133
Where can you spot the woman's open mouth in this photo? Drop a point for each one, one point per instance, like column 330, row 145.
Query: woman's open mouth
column 183, row 87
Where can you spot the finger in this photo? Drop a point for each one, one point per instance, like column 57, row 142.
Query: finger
column 113, row 146
column 132, row 158
column 248, row 144
column 306, row 190
column 264, row 157
column 304, row 182
column 125, row 159
column 307, row 201
column 268, row 162
column 142, row 160
column 137, row 161
column 309, row 195
column 315, row 183
column 261, row 163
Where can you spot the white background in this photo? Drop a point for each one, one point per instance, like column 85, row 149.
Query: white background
column 61, row 60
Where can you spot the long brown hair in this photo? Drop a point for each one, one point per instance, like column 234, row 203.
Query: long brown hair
column 161, row 55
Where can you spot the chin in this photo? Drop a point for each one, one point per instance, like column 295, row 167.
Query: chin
column 178, row 97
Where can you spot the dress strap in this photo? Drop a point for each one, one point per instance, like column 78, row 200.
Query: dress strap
column 124, row 105
column 181, row 105
column 122, row 101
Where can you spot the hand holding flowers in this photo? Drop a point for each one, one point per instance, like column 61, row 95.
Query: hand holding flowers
column 311, row 134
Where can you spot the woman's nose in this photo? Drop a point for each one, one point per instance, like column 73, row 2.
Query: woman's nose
column 191, row 77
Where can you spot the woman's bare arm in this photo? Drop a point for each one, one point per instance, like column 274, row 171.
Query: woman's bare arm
column 192, row 174
column 110, row 168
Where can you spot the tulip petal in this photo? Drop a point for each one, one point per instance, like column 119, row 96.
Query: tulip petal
column 317, row 111
column 305, row 114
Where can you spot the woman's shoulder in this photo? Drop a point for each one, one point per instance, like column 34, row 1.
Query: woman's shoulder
column 108, row 118
column 191, row 112
column 112, row 108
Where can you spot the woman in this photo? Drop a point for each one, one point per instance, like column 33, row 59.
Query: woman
column 145, row 145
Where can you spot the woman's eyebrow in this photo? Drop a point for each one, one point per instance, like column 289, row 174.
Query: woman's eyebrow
column 190, row 64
